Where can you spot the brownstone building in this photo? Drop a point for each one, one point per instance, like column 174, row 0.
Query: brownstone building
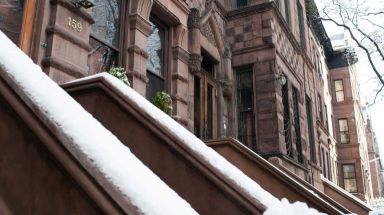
column 350, row 125
column 259, row 71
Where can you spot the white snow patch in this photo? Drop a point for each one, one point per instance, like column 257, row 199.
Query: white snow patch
column 377, row 212
column 93, row 145
column 284, row 207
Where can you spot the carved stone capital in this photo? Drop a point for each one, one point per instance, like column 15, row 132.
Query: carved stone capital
column 194, row 18
column 227, row 88
column 137, row 22
column 195, row 63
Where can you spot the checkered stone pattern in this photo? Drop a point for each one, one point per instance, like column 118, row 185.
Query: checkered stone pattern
column 249, row 31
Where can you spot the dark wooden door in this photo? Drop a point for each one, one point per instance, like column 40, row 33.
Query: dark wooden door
column 205, row 107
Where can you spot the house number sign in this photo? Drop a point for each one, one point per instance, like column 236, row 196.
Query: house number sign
column 75, row 24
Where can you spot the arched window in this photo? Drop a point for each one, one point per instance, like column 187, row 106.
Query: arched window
column 156, row 48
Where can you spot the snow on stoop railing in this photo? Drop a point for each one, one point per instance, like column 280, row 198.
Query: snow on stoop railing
column 212, row 158
column 98, row 150
column 335, row 186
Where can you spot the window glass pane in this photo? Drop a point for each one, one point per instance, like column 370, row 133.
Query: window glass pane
column 344, row 137
column 101, row 57
column 350, row 185
column 11, row 14
column 106, row 14
column 338, row 85
column 154, row 85
column 155, row 47
column 343, row 125
column 241, row 3
column 349, row 171
column 340, row 96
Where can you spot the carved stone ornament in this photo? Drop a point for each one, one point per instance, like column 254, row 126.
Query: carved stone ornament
column 208, row 4
column 195, row 63
column 227, row 51
column 227, row 88
column 194, row 18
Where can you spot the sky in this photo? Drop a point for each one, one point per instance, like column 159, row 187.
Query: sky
column 365, row 77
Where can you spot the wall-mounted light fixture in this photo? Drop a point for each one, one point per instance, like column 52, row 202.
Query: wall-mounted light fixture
column 281, row 79
column 83, row 3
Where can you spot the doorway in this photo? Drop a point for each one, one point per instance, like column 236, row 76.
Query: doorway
column 205, row 116
column 245, row 108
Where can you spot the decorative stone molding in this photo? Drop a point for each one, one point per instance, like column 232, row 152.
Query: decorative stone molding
column 62, row 32
column 141, row 7
column 142, row 77
column 227, row 88
column 176, row 76
column 179, row 37
column 178, row 98
column 179, row 53
column 206, row 30
column 136, row 49
column 78, row 11
column 208, row 4
column 194, row 18
column 227, row 51
column 64, row 66
column 195, row 63
column 160, row 8
column 138, row 22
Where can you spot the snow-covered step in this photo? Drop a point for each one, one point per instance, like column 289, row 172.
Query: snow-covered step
column 279, row 183
column 55, row 158
column 197, row 173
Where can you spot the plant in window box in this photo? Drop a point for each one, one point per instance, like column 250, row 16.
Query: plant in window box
column 163, row 101
column 119, row 73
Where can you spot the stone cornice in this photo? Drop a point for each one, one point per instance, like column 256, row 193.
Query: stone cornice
column 249, row 10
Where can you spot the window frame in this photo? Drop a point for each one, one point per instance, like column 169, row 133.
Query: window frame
column 344, row 131
column 342, row 90
column 123, row 29
column 311, row 130
column 164, row 76
column 300, row 16
column 351, row 178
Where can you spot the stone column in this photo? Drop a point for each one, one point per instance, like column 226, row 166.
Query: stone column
column 226, row 82
column 195, row 58
column 179, row 76
column 67, row 42
column 139, row 29
column 194, row 41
